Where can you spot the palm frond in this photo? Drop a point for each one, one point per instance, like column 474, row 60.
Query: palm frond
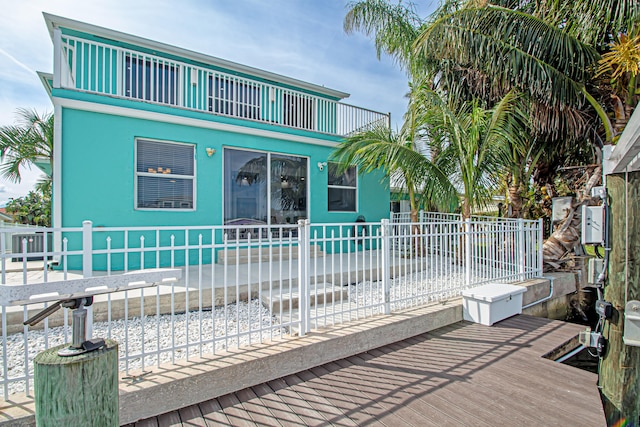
column 383, row 149
column 22, row 144
column 394, row 28
column 592, row 22
column 514, row 49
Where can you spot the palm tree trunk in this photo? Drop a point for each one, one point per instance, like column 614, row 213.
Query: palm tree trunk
column 564, row 240
column 415, row 222
column 515, row 200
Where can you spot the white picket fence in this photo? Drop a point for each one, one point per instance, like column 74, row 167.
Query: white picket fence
column 247, row 284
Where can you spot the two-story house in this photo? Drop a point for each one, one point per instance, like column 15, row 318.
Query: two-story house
column 151, row 134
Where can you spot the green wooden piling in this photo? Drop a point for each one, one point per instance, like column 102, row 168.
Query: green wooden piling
column 77, row 390
column 620, row 368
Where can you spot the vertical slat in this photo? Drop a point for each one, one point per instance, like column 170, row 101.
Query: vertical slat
column 200, row 294
column 5, row 364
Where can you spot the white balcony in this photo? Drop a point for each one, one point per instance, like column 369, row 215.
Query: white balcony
column 94, row 67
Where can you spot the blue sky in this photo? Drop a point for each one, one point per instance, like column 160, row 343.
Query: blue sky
column 302, row 39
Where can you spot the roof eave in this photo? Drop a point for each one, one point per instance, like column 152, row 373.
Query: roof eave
column 44, row 79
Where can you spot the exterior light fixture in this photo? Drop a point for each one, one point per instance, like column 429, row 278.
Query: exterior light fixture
column 321, row 166
column 210, row 151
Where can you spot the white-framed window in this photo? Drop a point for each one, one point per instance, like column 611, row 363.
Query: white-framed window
column 165, row 175
column 343, row 189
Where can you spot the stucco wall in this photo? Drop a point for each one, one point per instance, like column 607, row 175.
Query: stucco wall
column 98, row 172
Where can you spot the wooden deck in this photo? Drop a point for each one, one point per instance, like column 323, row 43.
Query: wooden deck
column 465, row 374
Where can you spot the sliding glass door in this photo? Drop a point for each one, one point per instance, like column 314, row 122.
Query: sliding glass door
column 264, row 188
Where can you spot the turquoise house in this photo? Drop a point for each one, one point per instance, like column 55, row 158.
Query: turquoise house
column 149, row 134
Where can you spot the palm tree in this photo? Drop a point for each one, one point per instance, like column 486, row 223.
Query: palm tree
column 546, row 50
column 459, row 58
column 396, row 154
column 25, row 143
column 474, row 143
column 512, row 49
column 400, row 154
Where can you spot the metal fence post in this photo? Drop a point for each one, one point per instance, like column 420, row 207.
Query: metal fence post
column 540, row 266
column 304, row 301
column 87, row 268
column 385, row 246
column 87, row 249
column 467, row 253
column 521, row 251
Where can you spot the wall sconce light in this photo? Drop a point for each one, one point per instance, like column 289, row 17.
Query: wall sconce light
column 210, row 151
column 321, row 166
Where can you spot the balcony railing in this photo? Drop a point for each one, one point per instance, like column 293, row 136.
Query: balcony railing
column 100, row 68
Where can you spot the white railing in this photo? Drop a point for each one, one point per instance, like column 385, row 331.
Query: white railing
column 247, row 284
column 405, row 217
column 101, row 68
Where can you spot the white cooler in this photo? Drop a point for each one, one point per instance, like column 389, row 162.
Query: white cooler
column 492, row 303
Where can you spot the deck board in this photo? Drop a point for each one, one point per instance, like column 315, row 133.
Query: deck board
column 462, row 374
column 297, row 403
column 170, row 419
column 213, row 414
column 280, row 410
column 191, row 416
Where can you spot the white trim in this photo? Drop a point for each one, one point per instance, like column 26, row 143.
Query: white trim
column 136, row 174
column 345, row 187
column 57, row 57
column 186, row 121
column 44, row 79
column 56, row 175
column 624, row 154
column 54, row 21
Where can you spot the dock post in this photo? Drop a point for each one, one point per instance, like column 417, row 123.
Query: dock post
column 77, row 390
column 620, row 366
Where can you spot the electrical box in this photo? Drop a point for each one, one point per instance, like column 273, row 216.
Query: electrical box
column 595, row 267
column 598, row 192
column 632, row 323
column 592, row 225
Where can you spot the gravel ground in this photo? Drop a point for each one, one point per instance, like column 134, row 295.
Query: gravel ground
column 415, row 289
column 237, row 324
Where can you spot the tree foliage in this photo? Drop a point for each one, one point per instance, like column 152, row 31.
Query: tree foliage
column 474, row 143
column 32, row 209
column 22, row 144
